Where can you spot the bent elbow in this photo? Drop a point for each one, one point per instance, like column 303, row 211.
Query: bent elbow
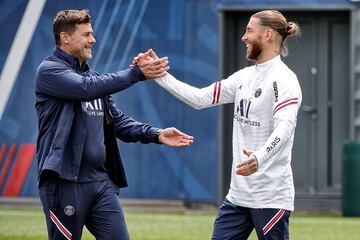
column 198, row 107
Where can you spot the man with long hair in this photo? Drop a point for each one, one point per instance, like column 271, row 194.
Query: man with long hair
column 267, row 97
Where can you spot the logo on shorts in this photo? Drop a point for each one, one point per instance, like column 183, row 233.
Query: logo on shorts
column 69, row 210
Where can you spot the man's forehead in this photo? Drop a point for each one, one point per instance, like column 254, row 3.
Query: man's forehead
column 253, row 23
column 84, row 27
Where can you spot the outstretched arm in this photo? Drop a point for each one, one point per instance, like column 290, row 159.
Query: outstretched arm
column 130, row 130
column 217, row 93
column 197, row 98
column 56, row 79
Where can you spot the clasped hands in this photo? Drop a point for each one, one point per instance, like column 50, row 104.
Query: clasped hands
column 151, row 65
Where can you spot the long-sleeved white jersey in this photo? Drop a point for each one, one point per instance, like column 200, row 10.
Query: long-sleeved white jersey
column 267, row 98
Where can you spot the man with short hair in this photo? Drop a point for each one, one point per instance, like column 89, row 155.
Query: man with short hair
column 79, row 165
column 267, row 97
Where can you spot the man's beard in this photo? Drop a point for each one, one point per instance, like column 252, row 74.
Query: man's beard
column 256, row 50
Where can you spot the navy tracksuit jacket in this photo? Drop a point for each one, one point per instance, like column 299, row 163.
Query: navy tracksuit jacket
column 61, row 85
column 69, row 203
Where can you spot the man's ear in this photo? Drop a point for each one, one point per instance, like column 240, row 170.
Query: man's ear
column 269, row 35
column 64, row 37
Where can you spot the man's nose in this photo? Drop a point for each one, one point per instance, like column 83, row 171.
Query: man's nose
column 244, row 37
column 92, row 40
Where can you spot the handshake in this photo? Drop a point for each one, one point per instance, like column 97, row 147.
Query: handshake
column 151, row 65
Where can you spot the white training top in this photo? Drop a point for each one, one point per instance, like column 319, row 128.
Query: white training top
column 267, row 98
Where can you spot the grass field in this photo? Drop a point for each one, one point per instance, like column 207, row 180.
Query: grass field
column 26, row 224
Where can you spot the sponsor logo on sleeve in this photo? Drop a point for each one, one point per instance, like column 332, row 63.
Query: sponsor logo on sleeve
column 276, row 93
column 273, row 144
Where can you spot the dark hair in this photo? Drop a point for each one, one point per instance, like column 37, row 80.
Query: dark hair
column 276, row 20
column 66, row 21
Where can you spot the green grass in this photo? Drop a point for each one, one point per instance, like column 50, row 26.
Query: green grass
column 26, row 224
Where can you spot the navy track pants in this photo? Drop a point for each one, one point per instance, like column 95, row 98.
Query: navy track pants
column 69, row 206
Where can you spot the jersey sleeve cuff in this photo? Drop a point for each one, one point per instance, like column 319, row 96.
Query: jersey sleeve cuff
column 259, row 156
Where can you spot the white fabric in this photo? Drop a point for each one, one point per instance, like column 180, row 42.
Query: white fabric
column 267, row 98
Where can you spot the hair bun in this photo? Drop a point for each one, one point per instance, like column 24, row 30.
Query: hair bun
column 289, row 26
column 292, row 28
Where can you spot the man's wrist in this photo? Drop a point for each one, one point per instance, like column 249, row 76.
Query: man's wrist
column 157, row 135
column 138, row 73
column 254, row 154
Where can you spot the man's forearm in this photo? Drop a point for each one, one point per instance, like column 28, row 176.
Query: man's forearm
column 66, row 84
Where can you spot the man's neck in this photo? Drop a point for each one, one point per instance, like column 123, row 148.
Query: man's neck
column 266, row 55
column 67, row 50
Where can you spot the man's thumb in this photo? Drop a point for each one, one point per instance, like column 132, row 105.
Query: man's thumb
column 247, row 152
column 153, row 54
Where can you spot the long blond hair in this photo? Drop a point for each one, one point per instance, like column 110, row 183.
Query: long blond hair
column 276, row 20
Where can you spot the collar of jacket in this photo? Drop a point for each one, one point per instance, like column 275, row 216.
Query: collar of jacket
column 72, row 60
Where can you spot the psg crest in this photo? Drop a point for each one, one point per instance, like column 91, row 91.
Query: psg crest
column 258, row 92
column 69, row 210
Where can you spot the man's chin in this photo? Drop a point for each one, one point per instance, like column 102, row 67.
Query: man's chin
column 250, row 58
column 88, row 54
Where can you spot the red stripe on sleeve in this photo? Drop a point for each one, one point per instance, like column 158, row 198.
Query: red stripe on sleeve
column 2, row 152
column 290, row 103
column 19, row 171
column 219, row 89
column 7, row 164
column 214, row 96
column 283, row 102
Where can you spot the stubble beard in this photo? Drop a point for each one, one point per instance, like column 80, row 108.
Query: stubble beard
column 84, row 54
column 87, row 52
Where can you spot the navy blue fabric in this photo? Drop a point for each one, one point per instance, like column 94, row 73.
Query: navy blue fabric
column 92, row 167
column 189, row 37
column 236, row 222
column 61, row 85
column 60, row 75
column 75, row 205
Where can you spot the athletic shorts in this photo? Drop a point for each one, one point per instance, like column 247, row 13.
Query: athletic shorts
column 235, row 222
